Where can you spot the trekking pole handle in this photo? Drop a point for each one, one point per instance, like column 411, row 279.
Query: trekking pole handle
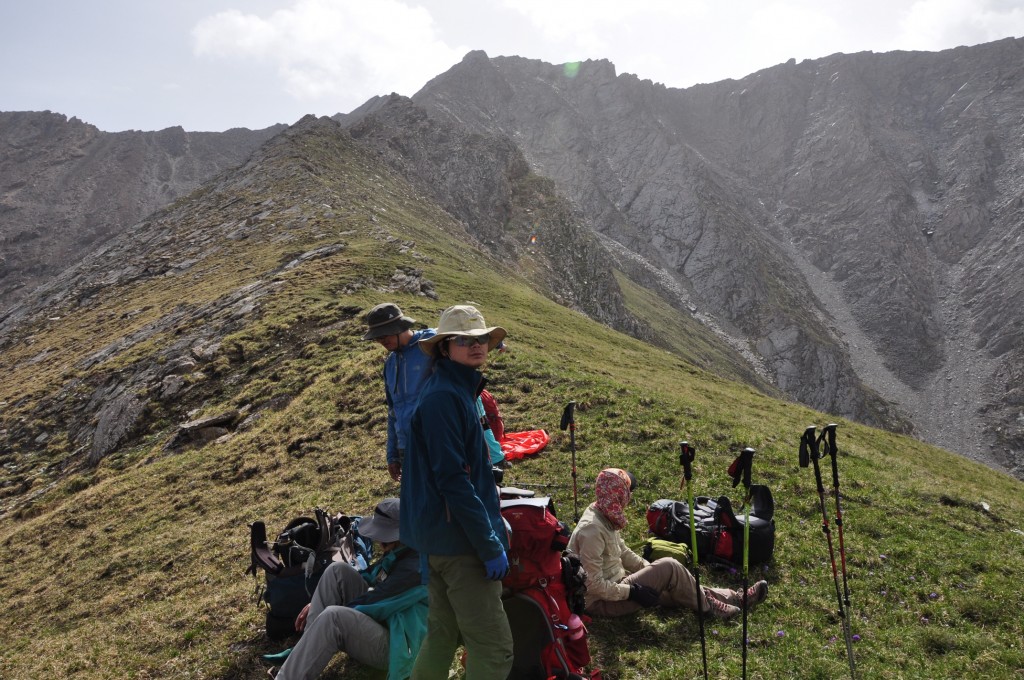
column 747, row 468
column 806, row 442
column 830, row 449
column 686, row 454
column 740, row 468
column 815, row 455
column 568, row 416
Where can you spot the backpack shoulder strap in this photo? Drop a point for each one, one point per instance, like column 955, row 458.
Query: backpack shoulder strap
column 761, row 502
column 724, row 514
column 327, row 536
column 261, row 555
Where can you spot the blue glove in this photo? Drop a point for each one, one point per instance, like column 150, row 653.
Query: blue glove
column 497, row 567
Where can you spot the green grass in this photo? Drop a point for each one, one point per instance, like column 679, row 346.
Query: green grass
column 135, row 568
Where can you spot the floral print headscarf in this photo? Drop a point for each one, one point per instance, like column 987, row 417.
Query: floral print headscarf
column 612, row 491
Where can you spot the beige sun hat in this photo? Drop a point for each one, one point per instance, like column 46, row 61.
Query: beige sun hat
column 463, row 320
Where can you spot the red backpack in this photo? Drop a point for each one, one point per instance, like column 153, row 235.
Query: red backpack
column 536, row 541
column 545, row 605
column 494, row 420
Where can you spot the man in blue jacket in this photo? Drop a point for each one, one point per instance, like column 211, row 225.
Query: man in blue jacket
column 450, row 507
column 405, row 369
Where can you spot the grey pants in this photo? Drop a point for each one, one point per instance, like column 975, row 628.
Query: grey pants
column 671, row 579
column 332, row 628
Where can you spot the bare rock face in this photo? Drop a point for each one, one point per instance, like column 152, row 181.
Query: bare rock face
column 119, row 415
column 483, row 180
column 66, row 187
column 854, row 219
column 603, row 140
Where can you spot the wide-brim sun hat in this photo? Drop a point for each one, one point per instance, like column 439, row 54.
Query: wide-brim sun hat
column 382, row 525
column 386, row 319
column 464, row 320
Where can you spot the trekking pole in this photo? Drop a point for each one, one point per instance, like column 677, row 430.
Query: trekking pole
column 686, row 455
column 828, row 435
column 809, row 453
column 569, row 421
column 740, row 469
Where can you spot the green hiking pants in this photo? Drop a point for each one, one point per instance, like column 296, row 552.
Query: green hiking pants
column 464, row 605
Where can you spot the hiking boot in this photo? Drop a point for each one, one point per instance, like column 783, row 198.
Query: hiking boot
column 756, row 593
column 720, row 610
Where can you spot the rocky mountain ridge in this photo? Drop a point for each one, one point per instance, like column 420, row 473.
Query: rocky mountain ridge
column 66, row 187
column 133, row 340
column 847, row 225
column 855, row 218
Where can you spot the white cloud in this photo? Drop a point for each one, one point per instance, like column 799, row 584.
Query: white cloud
column 333, row 49
column 939, row 24
column 594, row 28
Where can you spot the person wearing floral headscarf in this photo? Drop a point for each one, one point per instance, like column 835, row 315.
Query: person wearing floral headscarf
column 619, row 581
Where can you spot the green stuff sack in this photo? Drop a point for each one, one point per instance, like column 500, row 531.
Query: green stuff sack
column 656, row 548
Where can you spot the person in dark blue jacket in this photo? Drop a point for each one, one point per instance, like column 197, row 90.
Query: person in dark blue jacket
column 450, row 508
column 405, row 370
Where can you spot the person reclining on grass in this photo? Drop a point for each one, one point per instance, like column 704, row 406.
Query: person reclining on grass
column 620, row 582
column 377, row 616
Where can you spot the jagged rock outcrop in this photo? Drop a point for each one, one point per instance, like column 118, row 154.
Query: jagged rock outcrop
column 484, row 181
column 66, row 187
column 603, row 141
column 854, row 218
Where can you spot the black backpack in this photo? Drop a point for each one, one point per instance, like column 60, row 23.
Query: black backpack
column 719, row 529
column 294, row 562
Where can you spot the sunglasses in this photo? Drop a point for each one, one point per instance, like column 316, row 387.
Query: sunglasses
column 470, row 340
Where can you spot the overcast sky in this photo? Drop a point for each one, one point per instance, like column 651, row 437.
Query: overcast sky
column 217, row 64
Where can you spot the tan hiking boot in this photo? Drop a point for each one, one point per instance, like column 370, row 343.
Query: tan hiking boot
column 755, row 594
column 720, row 610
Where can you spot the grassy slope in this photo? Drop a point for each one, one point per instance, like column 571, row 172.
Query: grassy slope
column 135, row 569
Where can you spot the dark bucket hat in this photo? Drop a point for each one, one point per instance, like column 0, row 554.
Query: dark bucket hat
column 386, row 319
column 382, row 526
